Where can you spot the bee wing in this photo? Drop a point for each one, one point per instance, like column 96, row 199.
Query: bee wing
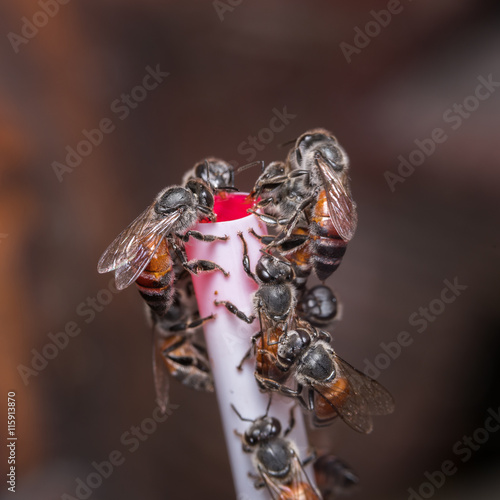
column 359, row 399
column 341, row 206
column 160, row 373
column 299, row 487
column 134, row 247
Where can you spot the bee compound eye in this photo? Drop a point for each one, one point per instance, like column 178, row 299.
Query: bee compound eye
column 298, row 156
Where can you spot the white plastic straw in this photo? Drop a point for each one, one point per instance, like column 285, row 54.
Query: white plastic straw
column 228, row 339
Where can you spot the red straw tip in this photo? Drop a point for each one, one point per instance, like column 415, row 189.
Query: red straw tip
column 232, row 206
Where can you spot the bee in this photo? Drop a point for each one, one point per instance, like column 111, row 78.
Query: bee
column 276, row 459
column 144, row 252
column 217, row 173
column 313, row 190
column 176, row 351
column 334, row 477
column 318, row 305
column 275, row 299
column 332, row 387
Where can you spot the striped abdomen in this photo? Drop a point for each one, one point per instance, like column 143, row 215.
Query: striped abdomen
column 156, row 282
column 328, row 247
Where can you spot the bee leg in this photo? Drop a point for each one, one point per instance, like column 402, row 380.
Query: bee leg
column 265, row 240
column 272, row 385
column 234, row 310
column 200, row 266
column 269, row 220
column 291, row 421
column 258, row 483
column 292, row 222
column 311, row 458
column 246, row 259
column 180, row 327
column 249, row 352
column 201, row 237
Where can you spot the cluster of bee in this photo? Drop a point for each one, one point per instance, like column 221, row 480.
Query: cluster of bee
column 307, row 204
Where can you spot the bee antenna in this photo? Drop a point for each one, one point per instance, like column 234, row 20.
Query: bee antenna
column 250, row 165
column 239, row 415
column 268, row 404
column 287, row 143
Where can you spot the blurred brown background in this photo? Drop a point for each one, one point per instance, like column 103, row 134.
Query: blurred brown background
column 225, row 79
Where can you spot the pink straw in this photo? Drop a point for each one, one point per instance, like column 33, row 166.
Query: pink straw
column 228, row 337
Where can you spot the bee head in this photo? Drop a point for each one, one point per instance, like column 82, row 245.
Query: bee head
column 270, row 269
column 262, row 430
column 292, row 344
column 218, row 174
column 203, row 195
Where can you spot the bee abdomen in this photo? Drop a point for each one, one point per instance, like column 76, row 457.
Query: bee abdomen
column 155, row 283
column 328, row 251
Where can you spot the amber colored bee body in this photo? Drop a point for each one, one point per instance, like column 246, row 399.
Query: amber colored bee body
column 266, row 351
column 325, row 404
column 299, row 491
column 155, row 283
column 327, row 247
column 325, row 384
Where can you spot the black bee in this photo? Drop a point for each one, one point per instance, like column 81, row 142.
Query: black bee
column 325, row 384
column 275, row 299
column 217, row 173
column 143, row 251
column 176, row 350
column 276, row 459
column 318, row 305
column 310, row 191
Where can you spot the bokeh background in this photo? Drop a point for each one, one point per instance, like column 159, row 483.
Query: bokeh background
column 230, row 65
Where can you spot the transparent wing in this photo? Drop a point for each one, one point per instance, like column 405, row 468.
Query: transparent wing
column 134, row 247
column 355, row 396
column 160, row 373
column 299, row 485
column 341, row 206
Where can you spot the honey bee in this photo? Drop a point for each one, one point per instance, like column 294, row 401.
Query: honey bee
column 334, row 477
column 332, row 387
column 318, row 305
column 217, row 173
column 276, row 459
column 176, row 351
column 311, row 190
column 275, row 299
column 143, row 251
